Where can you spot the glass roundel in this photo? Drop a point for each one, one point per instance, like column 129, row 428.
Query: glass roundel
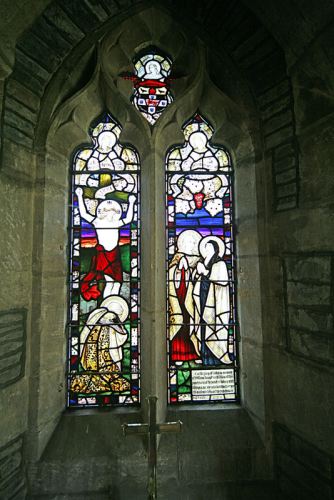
column 104, row 335
column 202, row 363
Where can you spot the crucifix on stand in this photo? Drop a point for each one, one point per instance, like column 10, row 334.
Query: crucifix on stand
column 152, row 429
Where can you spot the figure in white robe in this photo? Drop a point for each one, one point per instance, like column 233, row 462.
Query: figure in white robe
column 181, row 270
column 205, row 186
column 101, row 351
column 211, row 299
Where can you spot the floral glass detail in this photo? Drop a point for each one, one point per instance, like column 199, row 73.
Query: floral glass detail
column 104, row 353
column 200, row 269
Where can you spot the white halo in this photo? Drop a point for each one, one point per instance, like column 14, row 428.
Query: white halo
column 117, row 305
column 198, row 141
column 94, row 317
column 109, row 138
column 157, row 67
column 208, row 239
column 184, row 236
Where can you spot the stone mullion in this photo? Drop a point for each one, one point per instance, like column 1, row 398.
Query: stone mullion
column 153, row 283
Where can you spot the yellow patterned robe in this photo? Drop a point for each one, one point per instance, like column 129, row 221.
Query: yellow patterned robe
column 101, row 354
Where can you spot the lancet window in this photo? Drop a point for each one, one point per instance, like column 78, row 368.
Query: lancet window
column 200, row 269
column 104, row 334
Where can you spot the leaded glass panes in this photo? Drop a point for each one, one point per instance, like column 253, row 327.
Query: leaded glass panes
column 104, row 331
column 200, row 269
column 151, row 84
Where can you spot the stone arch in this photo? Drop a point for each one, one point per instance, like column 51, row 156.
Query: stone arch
column 69, row 124
column 48, row 45
column 295, row 260
column 60, row 131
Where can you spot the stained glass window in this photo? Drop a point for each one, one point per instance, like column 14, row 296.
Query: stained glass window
column 151, row 84
column 104, row 335
column 200, row 269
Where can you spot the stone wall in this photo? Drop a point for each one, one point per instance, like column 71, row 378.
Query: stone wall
column 279, row 76
column 299, row 299
column 309, row 306
column 13, row 331
column 12, row 479
column 303, row 470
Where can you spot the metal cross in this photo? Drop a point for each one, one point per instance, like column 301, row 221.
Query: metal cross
column 152, row 429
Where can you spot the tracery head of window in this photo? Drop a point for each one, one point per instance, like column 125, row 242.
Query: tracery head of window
column 152, row 83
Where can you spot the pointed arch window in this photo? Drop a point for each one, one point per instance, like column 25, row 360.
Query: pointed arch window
column 104, row 334
column 104, row 340
column 200, row 269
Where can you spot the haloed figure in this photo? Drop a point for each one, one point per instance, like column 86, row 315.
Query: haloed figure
column 153, row 71
column 180, row 300
column 212, row 303
column 107, row 262
column 101, row 351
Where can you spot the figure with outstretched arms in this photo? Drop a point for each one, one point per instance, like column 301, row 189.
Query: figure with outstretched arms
column 106, row 264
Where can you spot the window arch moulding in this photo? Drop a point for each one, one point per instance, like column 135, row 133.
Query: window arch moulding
column 201, row 304
column 74, row 135
column 104, row 313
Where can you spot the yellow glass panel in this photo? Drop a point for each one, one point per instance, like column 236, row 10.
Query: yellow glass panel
column 85, row 154
column 105, row 179
column 146, row 58
column 80, row 164
column 222, row 158
column 117, row 131
column 166, row 65
column 192, row 127
column 97, row 130
column 175, row 155
column 174, row 165
column 206, row 129
column 128, row 156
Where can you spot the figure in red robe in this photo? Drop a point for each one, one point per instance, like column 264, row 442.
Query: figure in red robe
column 103, row 263
column 182, row 266
column 106, row 264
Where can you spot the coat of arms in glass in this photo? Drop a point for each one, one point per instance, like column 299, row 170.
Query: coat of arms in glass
column 151, row 83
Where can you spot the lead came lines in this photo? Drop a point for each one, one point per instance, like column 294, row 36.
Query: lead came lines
column 104, row 301
column 201, row 324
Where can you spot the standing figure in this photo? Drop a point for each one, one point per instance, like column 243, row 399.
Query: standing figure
column 181, row 269
column 106, row 264
column 101, row 354
column 212, row 303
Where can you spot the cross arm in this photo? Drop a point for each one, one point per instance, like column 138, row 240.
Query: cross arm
column 169, row 427
column 139, row 429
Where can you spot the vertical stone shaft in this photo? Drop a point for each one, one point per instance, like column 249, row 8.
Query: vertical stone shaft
column 152, row 450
